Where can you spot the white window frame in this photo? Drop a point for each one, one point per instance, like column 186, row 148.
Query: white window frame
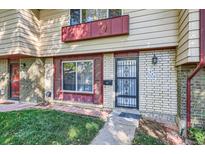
column 72, row 91
column 81, row 19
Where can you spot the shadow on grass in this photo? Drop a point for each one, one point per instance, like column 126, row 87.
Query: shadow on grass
column 151, row 132
column 45, row 127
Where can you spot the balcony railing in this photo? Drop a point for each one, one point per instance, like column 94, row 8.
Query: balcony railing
column 96, row 29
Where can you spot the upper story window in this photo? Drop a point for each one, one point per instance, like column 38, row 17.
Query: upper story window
column 74, row 16
column 86, row 15
column 115, row 12
column 93, row 14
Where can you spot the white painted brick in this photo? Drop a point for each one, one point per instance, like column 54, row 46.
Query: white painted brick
column 158, row 94
column 108, row 74
column 49, row 72
column 4, row 79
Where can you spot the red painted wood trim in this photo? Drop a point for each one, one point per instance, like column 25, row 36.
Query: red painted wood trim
column 61, row 75
column 15, row 56
column 96, row 29
column 102, row 77
column 15, row 81
column 126, row 54
column 13, row 61
column 94, row 88
column 96, row 97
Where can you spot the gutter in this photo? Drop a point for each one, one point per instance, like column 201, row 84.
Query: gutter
column 200, row 65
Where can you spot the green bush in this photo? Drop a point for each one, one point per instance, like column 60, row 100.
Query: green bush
column 197, row 135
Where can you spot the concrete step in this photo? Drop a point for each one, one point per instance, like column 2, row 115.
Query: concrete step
column 124, row 120
column 117, row 130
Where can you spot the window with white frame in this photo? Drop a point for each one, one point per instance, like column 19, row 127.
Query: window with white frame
column 78, row 76
column 86, row 15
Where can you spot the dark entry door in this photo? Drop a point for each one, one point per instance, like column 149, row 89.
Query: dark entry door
column 14, row 86
column 127, row 82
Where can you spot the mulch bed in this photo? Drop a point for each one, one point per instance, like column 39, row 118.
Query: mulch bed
column 167, row 133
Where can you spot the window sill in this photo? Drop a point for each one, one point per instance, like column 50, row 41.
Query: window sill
column 77, row 92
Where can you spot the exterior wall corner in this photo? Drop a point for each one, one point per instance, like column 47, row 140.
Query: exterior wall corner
column 32, row 80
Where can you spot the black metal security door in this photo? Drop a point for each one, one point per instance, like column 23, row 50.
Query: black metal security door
column 127, row 82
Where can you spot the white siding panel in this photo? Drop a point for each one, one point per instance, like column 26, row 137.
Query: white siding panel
column 188, row 39
column 148, row 29
column 29, row 32
column 9, row 32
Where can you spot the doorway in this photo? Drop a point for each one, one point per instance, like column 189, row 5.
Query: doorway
column 14, row 81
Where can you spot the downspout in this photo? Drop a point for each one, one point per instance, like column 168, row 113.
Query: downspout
column 199, row 66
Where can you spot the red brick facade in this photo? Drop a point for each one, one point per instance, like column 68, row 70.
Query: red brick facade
column 96, row 97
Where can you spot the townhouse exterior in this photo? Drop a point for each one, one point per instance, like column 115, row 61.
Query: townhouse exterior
column 104, row 59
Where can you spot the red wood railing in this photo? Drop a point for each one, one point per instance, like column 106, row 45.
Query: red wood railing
column 96, row 29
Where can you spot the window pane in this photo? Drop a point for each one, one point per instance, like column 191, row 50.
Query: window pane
column 88, row 15
column 93, row 14
column 84, row 76
column 115, row 12
column 101, row 13
column 74, row 16
column 69, row 76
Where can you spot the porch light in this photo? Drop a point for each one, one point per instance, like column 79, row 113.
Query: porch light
column 154, row 59
column 23, row 65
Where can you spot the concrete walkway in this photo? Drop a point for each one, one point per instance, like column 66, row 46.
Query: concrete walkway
column 15, row 106
column 117, row 130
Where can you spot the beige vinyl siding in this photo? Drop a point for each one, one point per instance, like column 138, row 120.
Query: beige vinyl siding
column 148, row 29
column 29, row 32
column 9, row 32
column 188, row 38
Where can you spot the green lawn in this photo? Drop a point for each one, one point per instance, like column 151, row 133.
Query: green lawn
column 142, row 138
column 35, row 126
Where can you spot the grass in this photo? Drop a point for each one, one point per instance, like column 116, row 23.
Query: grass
column 46, row 127
column 142, row 138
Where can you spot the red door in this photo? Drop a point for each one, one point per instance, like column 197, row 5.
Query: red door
column 15, row 81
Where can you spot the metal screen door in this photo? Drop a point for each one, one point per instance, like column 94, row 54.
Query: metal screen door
column 127, row 83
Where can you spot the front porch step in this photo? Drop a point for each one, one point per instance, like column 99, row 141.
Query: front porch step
column 118, row 129
column 117, row 112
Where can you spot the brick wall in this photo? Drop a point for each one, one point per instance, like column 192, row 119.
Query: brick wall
column 49, row 72
column 109, row 74
column 197, row 96
column 4, row 79
column 32, row 80
column 158, row 85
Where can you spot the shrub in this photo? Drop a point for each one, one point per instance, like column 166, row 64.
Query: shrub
column 197, row 135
